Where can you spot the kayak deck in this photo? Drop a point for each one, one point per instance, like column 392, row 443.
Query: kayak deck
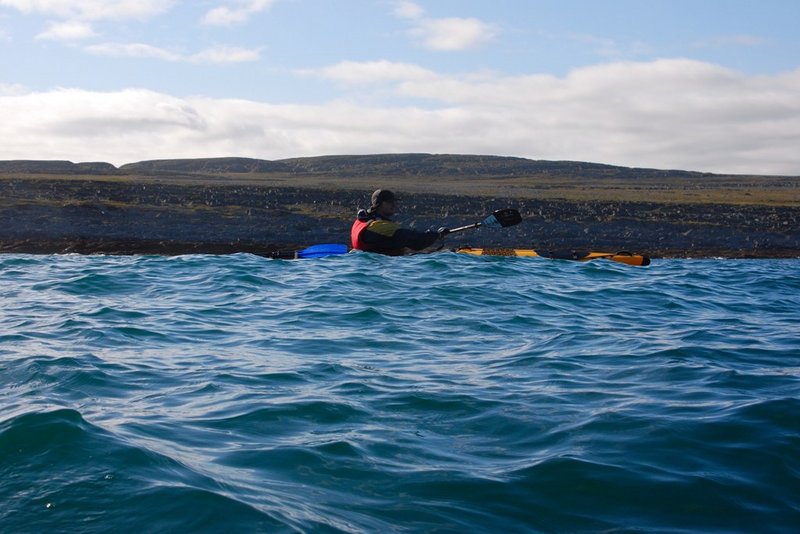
column 620, row 257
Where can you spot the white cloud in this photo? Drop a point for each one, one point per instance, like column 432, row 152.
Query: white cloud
column 226, row 54
column 67, row 31
column 450, row 34
column 444, row 34
column 354, row 72
column 664, row 114
column 218, row 54
column 12, row 89
column 408, row 10
column 243, row 10
column 133, row 50
column 607, row 48
column 92, row 9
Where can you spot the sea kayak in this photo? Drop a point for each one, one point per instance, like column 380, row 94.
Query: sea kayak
column 321, row 251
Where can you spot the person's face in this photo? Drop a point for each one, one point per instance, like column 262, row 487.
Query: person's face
column 386, row 209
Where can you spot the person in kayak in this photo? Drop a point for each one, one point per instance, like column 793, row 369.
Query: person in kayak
column 374, row 230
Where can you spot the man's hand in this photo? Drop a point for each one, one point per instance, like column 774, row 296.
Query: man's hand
column 443, row 232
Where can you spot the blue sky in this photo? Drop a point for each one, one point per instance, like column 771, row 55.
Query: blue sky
column 706, row 85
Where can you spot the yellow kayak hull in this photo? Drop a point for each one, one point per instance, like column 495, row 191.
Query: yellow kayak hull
column 619, row 257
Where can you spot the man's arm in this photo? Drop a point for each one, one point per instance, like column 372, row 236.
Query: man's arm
column 388, row 238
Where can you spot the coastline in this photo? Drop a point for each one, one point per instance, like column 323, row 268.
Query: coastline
column 170, row 213
column 121, row 247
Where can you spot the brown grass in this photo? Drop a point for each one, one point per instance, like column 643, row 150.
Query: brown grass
column 731, row 190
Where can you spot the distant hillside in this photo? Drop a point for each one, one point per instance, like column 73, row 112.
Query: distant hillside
column 207, row 165
column 462, row 165
column 55, row 167
column 401, row 165
column 370, row 165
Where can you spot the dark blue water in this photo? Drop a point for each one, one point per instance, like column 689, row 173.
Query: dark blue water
column 440, row 393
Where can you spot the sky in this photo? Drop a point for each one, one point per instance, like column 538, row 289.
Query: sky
column 706, row 85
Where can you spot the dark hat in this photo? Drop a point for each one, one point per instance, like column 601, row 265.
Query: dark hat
column 382, row 195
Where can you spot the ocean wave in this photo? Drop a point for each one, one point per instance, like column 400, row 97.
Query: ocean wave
column 429, row 393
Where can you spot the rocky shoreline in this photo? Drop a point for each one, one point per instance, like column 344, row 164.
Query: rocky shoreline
column 230, row 205
column 107, row 217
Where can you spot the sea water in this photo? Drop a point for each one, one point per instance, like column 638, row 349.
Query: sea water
column 361, row 393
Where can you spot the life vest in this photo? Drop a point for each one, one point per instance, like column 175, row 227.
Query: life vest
column 355, row 233
column 380, row 226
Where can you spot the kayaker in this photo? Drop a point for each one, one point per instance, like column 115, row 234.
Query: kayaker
column 374, row 230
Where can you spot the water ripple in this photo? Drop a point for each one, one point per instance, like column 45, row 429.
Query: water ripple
column 429, row 393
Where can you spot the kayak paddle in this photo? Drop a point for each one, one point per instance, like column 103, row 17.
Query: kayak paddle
column 499, row 219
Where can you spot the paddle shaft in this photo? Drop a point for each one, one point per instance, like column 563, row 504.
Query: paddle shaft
column 467, row 227
column 500, row 218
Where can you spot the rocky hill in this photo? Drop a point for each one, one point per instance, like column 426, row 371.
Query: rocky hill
column 402, row 165
column 56, row 167
column 206, row 166
column 369, row 165
column 463, row 165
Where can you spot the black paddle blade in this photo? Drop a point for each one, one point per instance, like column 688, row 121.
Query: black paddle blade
column 502, row 218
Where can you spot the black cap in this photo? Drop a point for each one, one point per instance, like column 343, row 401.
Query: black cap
column 382, row 195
